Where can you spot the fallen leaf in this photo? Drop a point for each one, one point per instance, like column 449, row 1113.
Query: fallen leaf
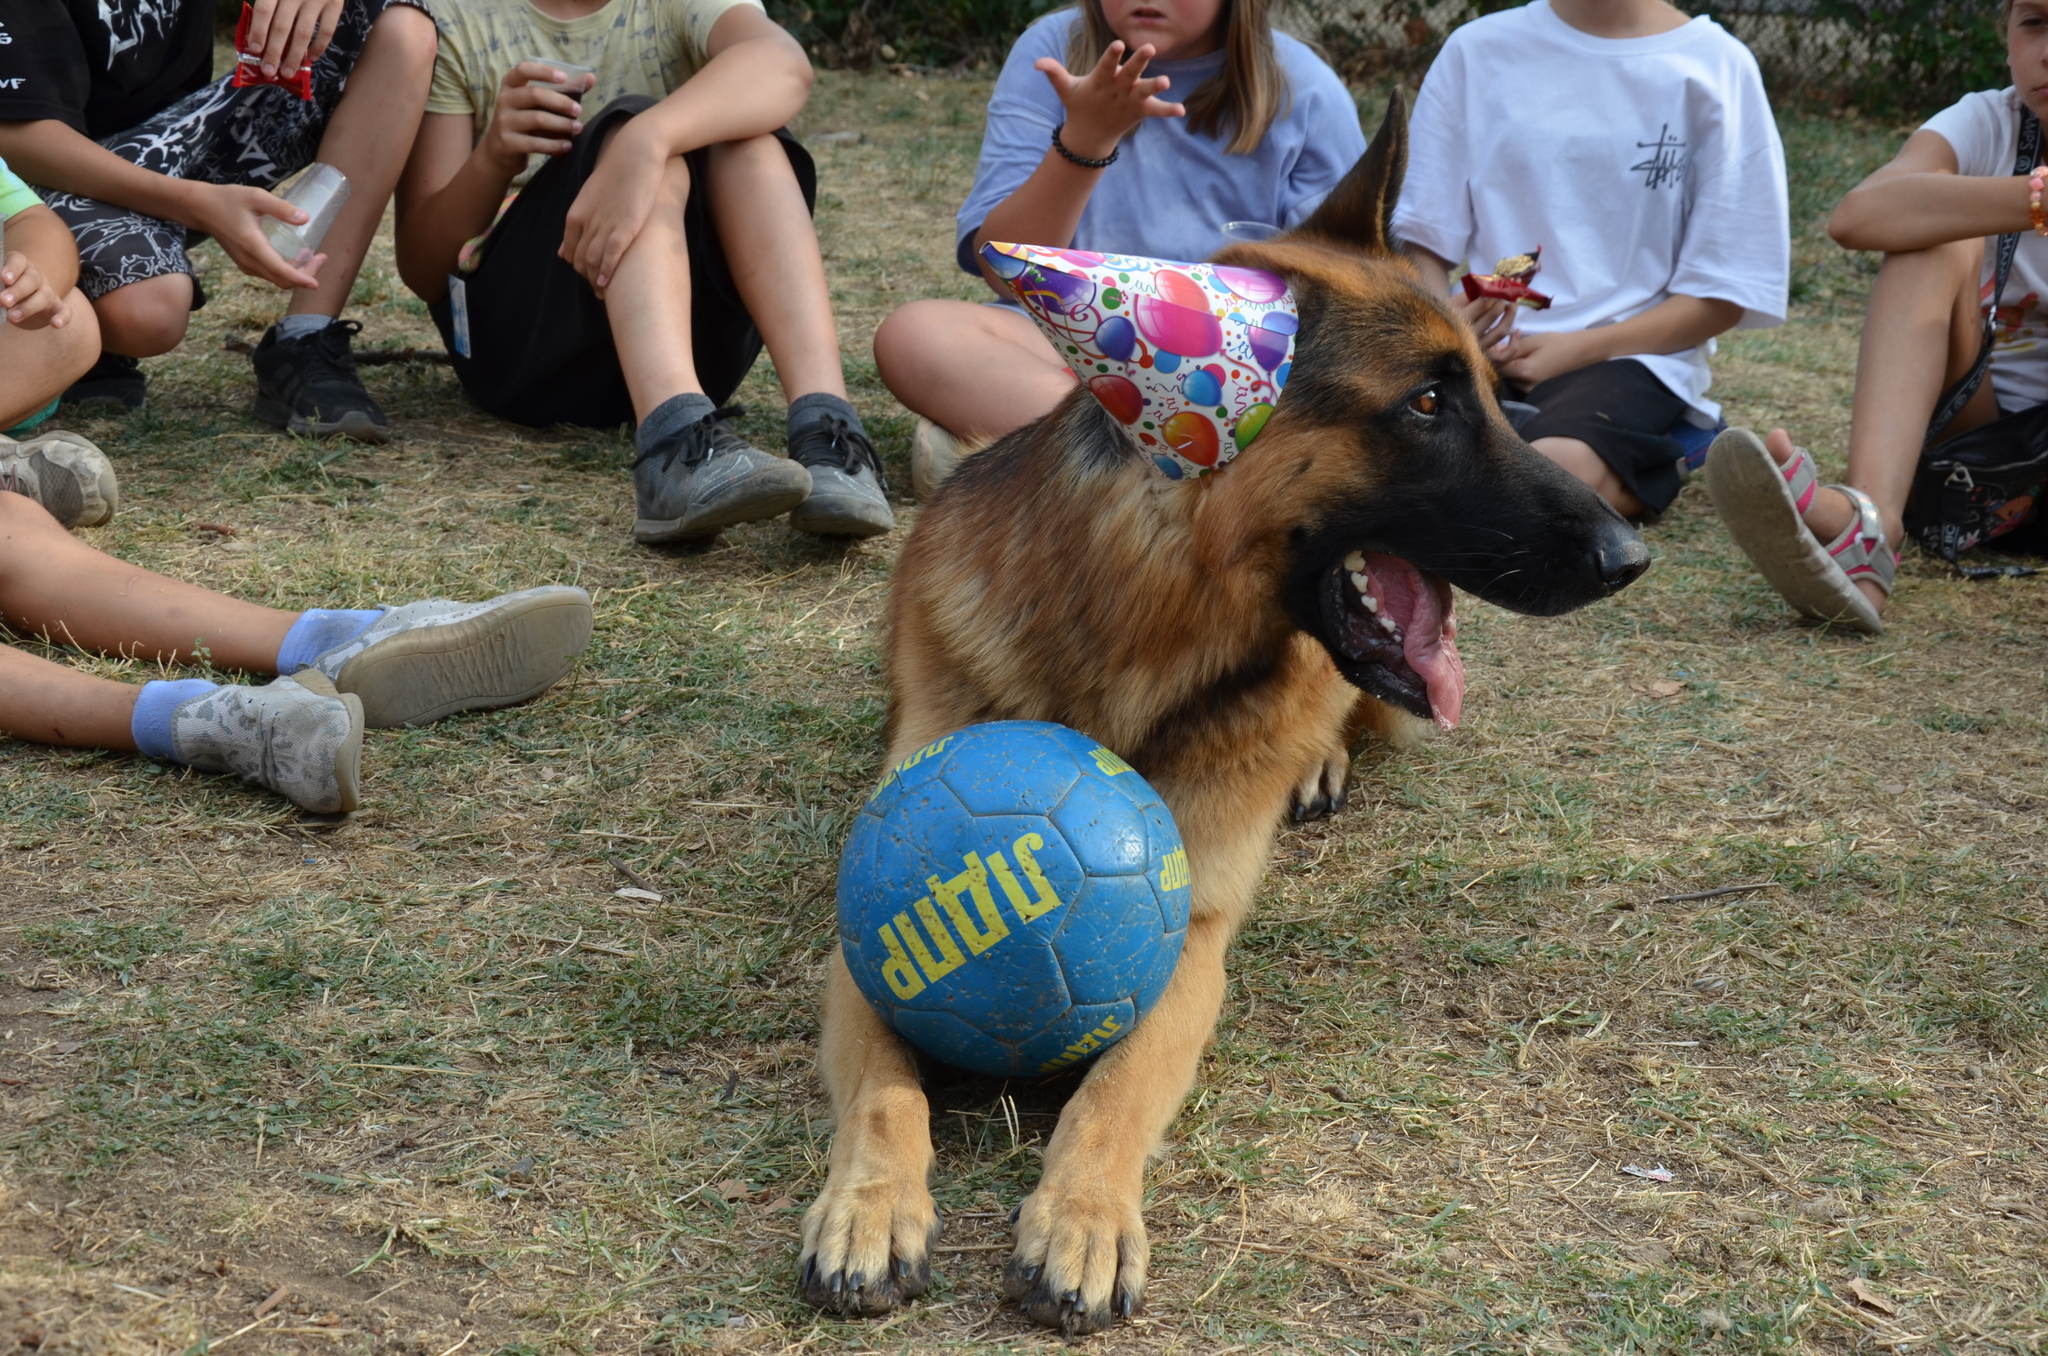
column 635, row 892
column 1866, row 1293
column 780, row 1203
column 1666, row 688
column 733, row 1189
column 1648, row 1253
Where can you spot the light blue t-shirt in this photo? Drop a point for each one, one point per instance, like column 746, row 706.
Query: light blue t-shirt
column 1171, row 191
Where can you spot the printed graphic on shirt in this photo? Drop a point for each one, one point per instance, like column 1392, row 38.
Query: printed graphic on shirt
column 2018, row 326
column 139, row 21
column 1664, row 166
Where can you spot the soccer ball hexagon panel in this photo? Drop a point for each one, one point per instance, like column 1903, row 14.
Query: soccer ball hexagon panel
column 1013, row 898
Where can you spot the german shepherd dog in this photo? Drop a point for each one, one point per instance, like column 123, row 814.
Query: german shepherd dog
column 1212, row 633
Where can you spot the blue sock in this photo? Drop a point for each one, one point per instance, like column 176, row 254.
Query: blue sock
column 319, row 630
column 293, row 326
column 669, row 418
column 151, row 723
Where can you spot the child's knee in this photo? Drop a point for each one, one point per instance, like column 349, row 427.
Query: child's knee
column 79, row 340
column 913, row 333
column 146, row 318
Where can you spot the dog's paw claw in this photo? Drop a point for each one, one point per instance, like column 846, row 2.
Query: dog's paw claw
column 863, row 1251
column 1323, row 790
column 1079, row 1264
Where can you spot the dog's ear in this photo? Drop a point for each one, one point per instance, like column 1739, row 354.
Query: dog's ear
column 1360, row 210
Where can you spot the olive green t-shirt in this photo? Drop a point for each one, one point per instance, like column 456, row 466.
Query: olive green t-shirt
column 636, row 47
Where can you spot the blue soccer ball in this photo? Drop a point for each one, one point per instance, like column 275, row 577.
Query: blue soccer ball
column 1013, row 898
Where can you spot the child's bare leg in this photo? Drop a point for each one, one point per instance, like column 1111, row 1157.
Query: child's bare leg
column 40, row 363
column 770, row 245
column 376, row 119
column 50, row 704
column 937, row 357
column 1920, row 335
column 648, row 300
column 1577, row 456
column 53, row 584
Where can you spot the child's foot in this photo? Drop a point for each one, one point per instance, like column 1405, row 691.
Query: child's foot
column 707, row 477
column 308, row 385
column 66, row 474
column 1831, row 512
column 297, row 736
column 430, row 659
column 1763, row 498
column 848, row 496
column 113, row 380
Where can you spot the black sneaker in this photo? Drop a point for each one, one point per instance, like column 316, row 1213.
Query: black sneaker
column 848, row 496
column 707, row 477
column 309, row 385
column 113, row 380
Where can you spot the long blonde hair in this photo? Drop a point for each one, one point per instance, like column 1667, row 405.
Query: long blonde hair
column 1245, row 96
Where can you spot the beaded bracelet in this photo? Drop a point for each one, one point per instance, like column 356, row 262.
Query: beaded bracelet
column 1085, row 163
column 2035, row 214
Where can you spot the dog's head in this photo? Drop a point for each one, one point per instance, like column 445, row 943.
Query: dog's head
column 1387, row 472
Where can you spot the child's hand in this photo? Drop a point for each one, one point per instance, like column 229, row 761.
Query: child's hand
column 612, row 208
column 233, row 215
column 27, row 299
column 1105, row 105
column 1492, row 319
column 1529, row 360
column 288, row 34
column 531, row 119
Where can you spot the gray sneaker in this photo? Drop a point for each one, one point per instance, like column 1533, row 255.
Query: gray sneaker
column 430, row 659
column 297, row 736
column 708, row 477
column 848, row 496
column 66, row 474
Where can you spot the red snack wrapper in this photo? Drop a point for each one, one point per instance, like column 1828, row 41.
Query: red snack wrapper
column 1509, row 281
column 249, row 69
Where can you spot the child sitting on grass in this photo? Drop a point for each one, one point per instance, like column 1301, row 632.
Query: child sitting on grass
column 50, row 337
column 1099, row 161
column 647, row 257
column 112, row 111
column 1636, row 147
column 300, row 735
column 1930, row 341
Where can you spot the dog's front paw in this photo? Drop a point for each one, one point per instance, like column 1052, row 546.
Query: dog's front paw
column 868, row 1248
column 1079, row 1263
column 1324, row 788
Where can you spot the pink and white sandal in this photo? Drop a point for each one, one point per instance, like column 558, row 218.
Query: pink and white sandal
column 1763, row 505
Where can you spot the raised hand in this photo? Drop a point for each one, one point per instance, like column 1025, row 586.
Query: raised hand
column 288, row 34
column 1110, row 101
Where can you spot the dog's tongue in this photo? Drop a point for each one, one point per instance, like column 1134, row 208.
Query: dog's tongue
column 1421, row 607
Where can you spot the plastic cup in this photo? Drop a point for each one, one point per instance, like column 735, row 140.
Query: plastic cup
column 568, row 68
column 1248, row 232
column 319, row 191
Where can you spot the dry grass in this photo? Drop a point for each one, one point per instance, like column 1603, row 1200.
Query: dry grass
column 429, row 1077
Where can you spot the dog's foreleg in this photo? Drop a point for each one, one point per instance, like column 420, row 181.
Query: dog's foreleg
column 1081, row 1252
column 869, row 1235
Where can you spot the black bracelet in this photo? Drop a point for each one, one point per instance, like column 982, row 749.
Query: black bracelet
column 1083, row 161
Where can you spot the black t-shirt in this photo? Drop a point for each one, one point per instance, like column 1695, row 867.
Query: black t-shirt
column 101, row 65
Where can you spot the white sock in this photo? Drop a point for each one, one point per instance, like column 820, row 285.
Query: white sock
column 297, row 326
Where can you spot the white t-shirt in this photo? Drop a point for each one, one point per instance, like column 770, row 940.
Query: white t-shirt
column 1643, row 166
column 1984, row 130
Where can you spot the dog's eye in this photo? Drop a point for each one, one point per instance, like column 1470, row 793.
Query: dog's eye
column 1426, row 403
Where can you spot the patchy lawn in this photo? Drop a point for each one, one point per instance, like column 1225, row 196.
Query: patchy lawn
column 424, row 1083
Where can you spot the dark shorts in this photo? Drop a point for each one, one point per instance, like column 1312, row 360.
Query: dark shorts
column 218, row 135
column 1620, row 410
column 540, row 341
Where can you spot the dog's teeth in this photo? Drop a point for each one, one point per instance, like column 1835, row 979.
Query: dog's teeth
column 1388, row 623
column 1361, row 582
column 1355, row 562
column 1372, row 604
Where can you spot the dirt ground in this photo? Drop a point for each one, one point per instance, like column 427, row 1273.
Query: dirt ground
column 1696, row 888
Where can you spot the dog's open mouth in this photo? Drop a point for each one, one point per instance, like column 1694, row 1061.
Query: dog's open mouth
column 1393, row 631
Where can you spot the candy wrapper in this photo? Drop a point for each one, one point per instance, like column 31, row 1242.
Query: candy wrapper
column 1191, row 358
column 1509, row 281
column 249, row 69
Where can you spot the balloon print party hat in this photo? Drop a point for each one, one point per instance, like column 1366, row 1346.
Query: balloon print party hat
column 1189, row 357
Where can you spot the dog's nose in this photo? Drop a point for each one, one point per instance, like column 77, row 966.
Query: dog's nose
column 1619, row 556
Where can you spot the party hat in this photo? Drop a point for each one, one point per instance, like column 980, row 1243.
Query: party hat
column 1190, row 357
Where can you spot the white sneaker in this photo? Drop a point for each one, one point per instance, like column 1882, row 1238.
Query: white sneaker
column 297, row 736
column 430, row 659
column 933, row 454
column 65, row 473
